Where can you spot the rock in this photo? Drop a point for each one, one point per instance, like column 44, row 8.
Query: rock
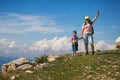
column 44, row 65
column 25, row 66
column 33, row 62
column 41, row 66
column 4, row 68
column 12, row 66
column 28, row 71
column 56, row 56
column 21, row 63
column 12, row 78
column 52, row 58
column 17, row 75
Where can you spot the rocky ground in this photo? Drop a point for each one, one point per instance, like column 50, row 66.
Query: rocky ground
column 105, row 65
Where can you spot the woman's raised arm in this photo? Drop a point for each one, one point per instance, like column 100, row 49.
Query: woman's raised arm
column 94, row 19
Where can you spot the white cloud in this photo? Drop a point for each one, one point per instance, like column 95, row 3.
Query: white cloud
column 57, row 45
column 17, row 23
column 115, row 27
column 6, row 44
column 3, row 43
column 54, row 45
column 118, row 39
column 12, row 44
column 63, row 45
column 102, row 45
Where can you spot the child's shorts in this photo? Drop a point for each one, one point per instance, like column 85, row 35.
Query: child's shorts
column 75, row 47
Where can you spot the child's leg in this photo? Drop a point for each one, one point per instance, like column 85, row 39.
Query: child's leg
column 73, row 50
column 75, row 53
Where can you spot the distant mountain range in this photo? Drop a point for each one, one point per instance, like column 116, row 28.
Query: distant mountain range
column 4, row 60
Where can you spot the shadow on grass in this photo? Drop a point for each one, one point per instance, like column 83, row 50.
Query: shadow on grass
column 108, row 52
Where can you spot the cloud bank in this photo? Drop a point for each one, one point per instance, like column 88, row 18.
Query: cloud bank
column 57, row 45
column 102, row 45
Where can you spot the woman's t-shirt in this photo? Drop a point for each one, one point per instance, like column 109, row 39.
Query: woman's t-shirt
column 87, row 28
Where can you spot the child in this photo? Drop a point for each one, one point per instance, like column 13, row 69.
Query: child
column 74, row 41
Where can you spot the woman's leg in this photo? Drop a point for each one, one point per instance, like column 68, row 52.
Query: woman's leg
column 86, row 43
column 86, row 49
column 92, row 47
column 92, row 43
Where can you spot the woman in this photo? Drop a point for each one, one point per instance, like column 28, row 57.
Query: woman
column 88, row 31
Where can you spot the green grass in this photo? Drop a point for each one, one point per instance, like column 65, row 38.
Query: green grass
column 105, row 65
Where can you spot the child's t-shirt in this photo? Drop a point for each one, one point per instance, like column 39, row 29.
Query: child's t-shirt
column 75, row 38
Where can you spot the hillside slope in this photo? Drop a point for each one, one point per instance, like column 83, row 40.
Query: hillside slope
column 105, row 65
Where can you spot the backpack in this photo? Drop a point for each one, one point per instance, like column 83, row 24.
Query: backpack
column 92, row 30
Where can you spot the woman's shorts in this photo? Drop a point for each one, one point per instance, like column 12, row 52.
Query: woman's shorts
column 88, row 39
column 75, row 47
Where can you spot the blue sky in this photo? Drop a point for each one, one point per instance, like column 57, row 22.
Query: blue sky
column 27, row 21
column 67, row 15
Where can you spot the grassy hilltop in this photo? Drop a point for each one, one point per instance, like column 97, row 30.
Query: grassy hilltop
column 105, row 65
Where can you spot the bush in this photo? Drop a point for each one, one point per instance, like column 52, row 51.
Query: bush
column 98, row 50
column 0, row 76
column 41, row 59
column 4, row 77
